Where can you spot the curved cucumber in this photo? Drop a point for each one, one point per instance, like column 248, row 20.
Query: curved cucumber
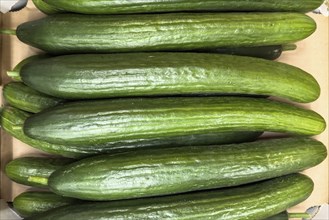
column 73, row 33
column 254, row 201
column 151, row 6
column 32, row 203
column 159, row 74
column 103, row 121
column 34, row 171
column 25, row 98
column 170, row 171
column 12, row 121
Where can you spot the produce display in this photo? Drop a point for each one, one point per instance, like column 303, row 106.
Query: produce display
column 156, row 109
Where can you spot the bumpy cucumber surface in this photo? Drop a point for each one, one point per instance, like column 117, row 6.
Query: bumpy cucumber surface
column 31, row 203
column 25, row 98
column 103, row 121
column 47, row 8
column 151, row 6
column 253, row 201
column 159, row 74
column 73, row 33
column 12, row 121
column 34, row 171
column 177, row 170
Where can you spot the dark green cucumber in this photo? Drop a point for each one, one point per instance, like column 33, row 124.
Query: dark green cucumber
column 32, row 203
column 157, row 172
column 15, row 73
column 92, row 76
column 151, row 6
column 46, row 8
column 34, row 171
column 73, row 33
column 12, row 121
column 253, row 201
column 25, row 98
column 103, row 121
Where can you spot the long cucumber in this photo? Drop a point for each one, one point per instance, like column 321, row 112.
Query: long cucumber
column 104, row 121
column 92, row 76
column 73, row 33
column 254, row 201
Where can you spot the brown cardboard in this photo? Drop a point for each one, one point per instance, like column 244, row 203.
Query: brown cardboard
column 311, row 55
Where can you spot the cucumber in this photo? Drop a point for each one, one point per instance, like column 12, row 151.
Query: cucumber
column 15, row 73
column 46, row 8
column 103, row 121
column 32, row 202
column 90, row 76
column 25, row 98
column 254, row 201
column 157, row 172
column 34, row 171
column 74, row 33
column 12, row 121
column 151, row 6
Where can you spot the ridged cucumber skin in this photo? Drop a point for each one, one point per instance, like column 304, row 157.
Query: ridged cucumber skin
column 151, row 6
column 160, row 172
column 94, row 76
column 34, row 171
column 73, row 33
column 103, row 121
column 31, row 203
column 25, row 98
column 254, row 201
column 46, row 8
column 12, row 121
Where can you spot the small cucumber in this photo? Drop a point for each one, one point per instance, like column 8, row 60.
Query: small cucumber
column 103, row 121
column 32, row 203
column 12, row 121
column 25, row 98
column 157, row 172
column 34, row 171
column 253, row 201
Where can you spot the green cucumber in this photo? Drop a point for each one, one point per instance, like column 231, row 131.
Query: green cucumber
column 34, row 171
column 103, row 121
column 32, row 203
column 151, row 6
column 46, row 8
column 90, row 76
column 12, row 121
column 157, row 172
column 25, row 98
column 15, row 73
column 254, row 201
column 74, row 33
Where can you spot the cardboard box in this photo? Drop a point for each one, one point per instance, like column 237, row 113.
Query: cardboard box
column 311, row 56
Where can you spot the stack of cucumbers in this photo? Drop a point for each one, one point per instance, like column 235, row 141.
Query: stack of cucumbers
column 155, row 109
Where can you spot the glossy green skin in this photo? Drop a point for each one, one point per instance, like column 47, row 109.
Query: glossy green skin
column 159, row 172
column 46, row 8
column 32, row 203
column 25, row 98
column 151, row 6
column 30, row 170
column 281, row 216
column 73, row 33
column 103, row 121
column 12, row 121
column 253, row 201
column 92, row 76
